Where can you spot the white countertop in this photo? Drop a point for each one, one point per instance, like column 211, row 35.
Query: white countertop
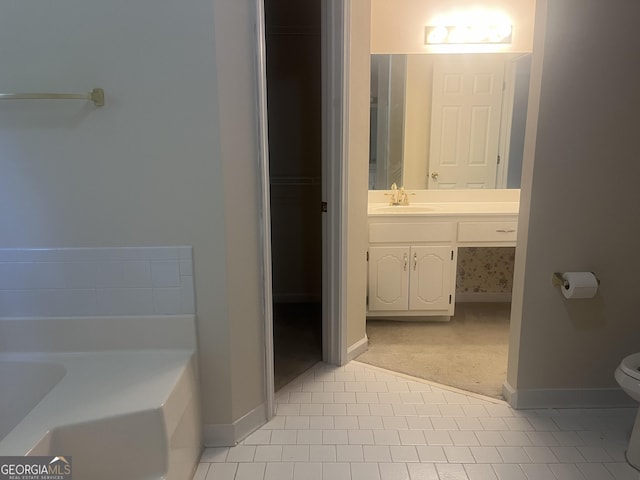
column 444, row 209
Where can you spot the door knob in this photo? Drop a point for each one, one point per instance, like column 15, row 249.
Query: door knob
column 434, row 175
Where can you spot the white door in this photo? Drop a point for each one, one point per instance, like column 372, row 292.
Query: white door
column 465, row 122
column 388, row 278
column 431, row 274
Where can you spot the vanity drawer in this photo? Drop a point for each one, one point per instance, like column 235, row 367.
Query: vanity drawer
column 415, row 232
column 494, row 232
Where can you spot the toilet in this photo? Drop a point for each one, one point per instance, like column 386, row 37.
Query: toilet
column 628, row 377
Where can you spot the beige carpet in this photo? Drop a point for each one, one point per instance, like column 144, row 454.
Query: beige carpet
column 469, row 352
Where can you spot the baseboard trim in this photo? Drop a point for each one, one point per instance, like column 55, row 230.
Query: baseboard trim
column 218, row 435
column 510, row 394
column 483, row 297
column 228, row 435
column 566, row 397
column 358, row 348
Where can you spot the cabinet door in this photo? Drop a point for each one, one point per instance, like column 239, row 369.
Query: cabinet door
column 388, row 278
column 431, row 274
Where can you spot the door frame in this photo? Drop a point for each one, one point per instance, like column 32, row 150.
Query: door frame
column 265, row 206
column 335, row 146
column 335, row 143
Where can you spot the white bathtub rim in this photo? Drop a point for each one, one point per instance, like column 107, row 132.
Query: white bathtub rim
column 52, row 411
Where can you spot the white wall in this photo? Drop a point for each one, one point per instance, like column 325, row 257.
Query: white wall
column 237, row 119
column 170, row 160
column 580, row 197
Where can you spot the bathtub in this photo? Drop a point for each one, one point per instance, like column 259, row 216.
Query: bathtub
column 84, row 391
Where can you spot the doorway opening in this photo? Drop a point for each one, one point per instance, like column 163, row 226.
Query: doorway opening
column 292, row 31
column 427, row 113
column 332, row 148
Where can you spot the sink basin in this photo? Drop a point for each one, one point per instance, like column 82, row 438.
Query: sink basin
column 402, row 209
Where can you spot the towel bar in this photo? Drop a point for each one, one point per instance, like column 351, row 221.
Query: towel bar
column 96, row 96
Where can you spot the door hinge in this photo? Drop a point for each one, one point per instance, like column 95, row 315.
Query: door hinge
column 449, row 299
column 367, row 255
column 498, row 159
column 323, row 207
column 451, row 254
column 367, row 301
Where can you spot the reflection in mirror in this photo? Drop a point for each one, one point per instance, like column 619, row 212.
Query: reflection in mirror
column 387, row 118
column 448, row 121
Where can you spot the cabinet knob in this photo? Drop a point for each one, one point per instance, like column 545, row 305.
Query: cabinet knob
column 415, row 261
column 434, row 175
column 406, row 261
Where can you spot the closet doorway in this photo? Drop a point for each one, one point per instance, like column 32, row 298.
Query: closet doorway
column 293, row 49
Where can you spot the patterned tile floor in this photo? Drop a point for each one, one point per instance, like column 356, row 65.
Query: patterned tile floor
column 359, row 422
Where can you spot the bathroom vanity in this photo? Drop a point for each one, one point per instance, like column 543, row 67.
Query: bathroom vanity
column 412, row 256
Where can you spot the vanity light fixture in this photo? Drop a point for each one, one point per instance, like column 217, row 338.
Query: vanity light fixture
column 467, row 34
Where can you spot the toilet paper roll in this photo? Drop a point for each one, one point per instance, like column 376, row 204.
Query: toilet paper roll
column 579, row 285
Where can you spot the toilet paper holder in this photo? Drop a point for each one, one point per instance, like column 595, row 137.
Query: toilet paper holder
column 558, row 281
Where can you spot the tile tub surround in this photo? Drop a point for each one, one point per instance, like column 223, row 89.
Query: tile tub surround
column 363, row 423
column 96, row 281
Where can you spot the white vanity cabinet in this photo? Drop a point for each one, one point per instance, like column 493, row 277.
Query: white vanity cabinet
column 411, row 267
column 411, row 278
column 488, row 232
column 412, row 258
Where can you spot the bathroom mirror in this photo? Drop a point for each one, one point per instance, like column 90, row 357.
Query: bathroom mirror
column 448, row 121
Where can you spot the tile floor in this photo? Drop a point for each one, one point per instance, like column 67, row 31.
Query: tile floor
column 360, row 422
